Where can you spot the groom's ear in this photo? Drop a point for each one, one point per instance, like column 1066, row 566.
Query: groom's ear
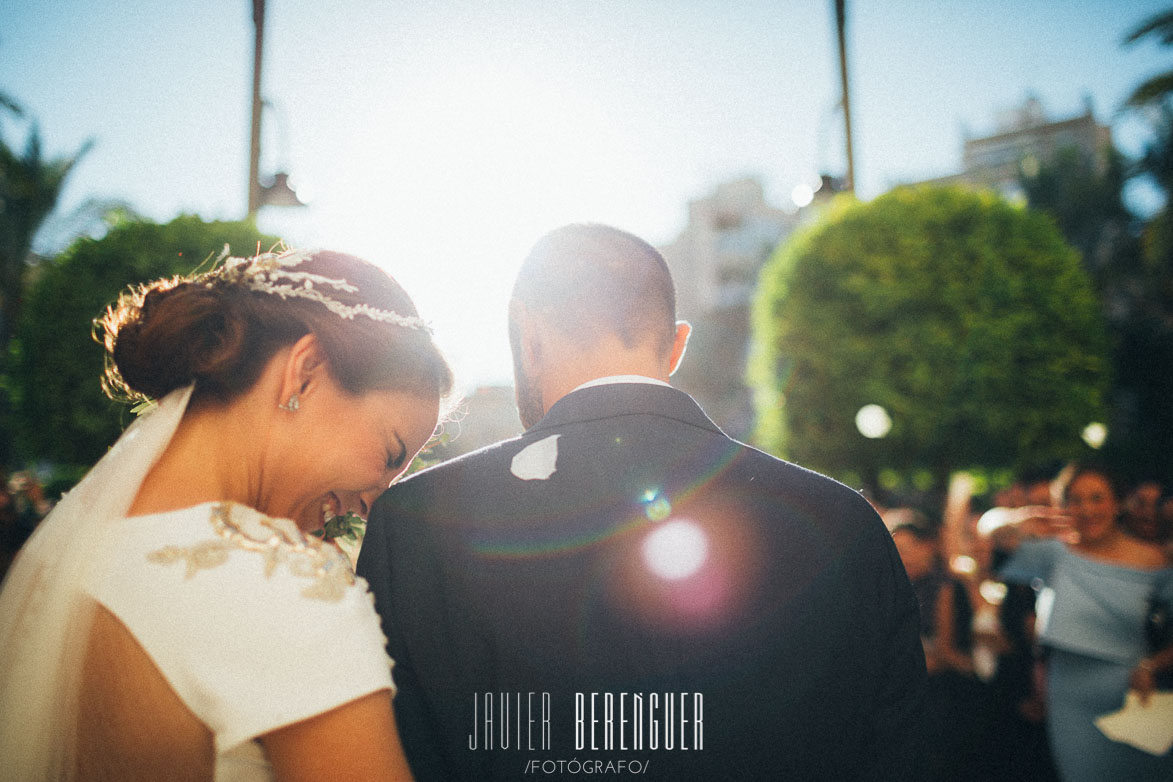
column 679, row 345
column 529, row 342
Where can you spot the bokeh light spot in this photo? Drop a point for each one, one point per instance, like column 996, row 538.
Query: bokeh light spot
column 873, row 422
column 994, row 592
column 964, row 565
column 1095, row 434
column 802, row 195
column 676, row 550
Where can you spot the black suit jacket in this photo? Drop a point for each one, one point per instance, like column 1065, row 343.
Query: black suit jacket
column 661, row 560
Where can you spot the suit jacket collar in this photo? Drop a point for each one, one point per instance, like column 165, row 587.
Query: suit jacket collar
column 609, row 401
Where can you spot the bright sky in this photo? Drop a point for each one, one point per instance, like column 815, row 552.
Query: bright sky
column 440, row 138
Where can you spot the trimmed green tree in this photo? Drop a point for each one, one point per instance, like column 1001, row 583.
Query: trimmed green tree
column 62, row 414
column 969, row 320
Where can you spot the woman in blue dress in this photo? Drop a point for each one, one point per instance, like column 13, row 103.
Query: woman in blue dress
column 1095, row 593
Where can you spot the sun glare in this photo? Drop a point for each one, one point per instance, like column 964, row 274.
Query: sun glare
column 458, row 178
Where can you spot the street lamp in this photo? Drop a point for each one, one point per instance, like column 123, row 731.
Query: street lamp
column 278, row 192
column 841, row 24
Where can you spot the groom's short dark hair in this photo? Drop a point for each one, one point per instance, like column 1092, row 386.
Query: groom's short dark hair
column 588, row 279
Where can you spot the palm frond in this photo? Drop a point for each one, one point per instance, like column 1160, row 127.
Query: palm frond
column 1152, row 90
column 1161, row 25
column 92, row 218
column 9, row 104
column 32, row 147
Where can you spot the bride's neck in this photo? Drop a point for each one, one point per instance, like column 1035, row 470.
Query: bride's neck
column 214, row 455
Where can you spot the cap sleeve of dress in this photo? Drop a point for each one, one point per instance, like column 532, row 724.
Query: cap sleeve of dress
column 253, row 626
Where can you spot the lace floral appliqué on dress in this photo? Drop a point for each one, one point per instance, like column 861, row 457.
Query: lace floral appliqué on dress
column 278, row 541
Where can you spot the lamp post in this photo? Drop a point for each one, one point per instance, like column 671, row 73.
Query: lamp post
column 279, row 193
column 841, row 24
column 254, row 151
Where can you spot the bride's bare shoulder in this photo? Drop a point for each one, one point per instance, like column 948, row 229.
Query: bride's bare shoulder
column 131, row 724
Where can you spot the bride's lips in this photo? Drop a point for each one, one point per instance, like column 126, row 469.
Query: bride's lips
column 331, row 506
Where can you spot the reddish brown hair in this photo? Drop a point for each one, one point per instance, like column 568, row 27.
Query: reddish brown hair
column 220, row 334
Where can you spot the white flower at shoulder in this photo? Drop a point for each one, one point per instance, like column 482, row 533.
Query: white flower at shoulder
column 537, row 461
column 278, row 541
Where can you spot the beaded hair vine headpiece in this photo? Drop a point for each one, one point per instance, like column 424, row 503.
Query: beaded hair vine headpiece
column 273, row 273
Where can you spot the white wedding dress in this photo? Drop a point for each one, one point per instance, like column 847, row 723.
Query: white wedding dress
column 253, row 626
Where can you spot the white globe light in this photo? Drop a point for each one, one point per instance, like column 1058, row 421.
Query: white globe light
column 676, row 550
column 873, row 422
column 1094, row 434
column 802, row 195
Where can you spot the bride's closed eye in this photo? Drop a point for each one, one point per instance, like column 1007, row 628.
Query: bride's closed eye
column 395, row 461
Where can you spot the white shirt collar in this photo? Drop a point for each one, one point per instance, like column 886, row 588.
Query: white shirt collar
column 613, row 379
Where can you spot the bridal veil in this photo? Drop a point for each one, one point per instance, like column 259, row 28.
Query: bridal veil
column 44, row 613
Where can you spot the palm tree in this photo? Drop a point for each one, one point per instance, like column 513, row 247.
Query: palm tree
column 9, row 104
column 1156, row 89
column 30, row 186
column 1156, row 160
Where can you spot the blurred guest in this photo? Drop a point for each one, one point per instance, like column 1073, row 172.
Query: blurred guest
column 1092, row 617
column 31, row 503
column 1009, row 726
column 902, row 516
column 1141, row 518
column 1019, row 749
column 954, row 706
column 1038, row 485
column 22, row 506
column 1165, row 509
column 945, row 607
column 1012, row 496
column 11, row 535
column 1165, row 520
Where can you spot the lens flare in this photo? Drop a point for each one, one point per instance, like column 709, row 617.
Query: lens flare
column 676, row 550
column 658, row 509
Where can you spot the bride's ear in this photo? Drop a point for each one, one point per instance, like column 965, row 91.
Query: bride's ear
column 305, row 367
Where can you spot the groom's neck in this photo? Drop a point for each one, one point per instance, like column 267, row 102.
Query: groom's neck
column 568, row 368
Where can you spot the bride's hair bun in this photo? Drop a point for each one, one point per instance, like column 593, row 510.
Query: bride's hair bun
column 219, row 334
column 169, row 334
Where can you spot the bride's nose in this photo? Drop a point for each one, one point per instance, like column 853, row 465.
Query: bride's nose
column 368, row 499
column 357, row 502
